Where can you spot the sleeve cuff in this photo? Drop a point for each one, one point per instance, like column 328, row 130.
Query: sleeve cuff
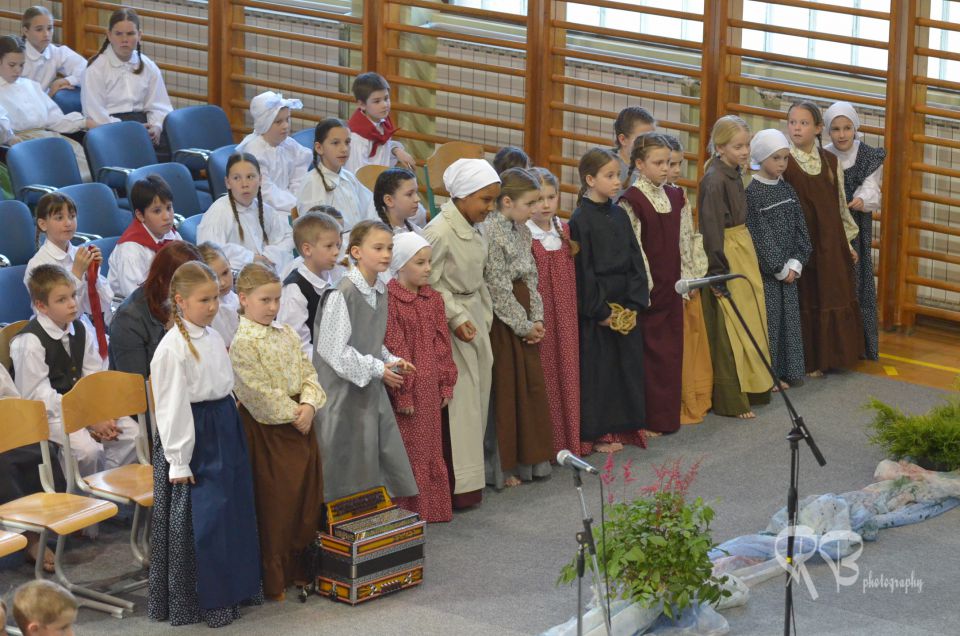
column 379, row 368
column 178, row 471
column 795, row 265
column 783, row 273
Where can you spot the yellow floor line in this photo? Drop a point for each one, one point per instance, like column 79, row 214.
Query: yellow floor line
column 890, row 370
column 929, row 365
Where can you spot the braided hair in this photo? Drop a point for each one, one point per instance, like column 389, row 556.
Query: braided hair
column 188, row 276
column 124, row 14
column 319, row 136
column 246, row 157
column 642, row 146
column 387, row 184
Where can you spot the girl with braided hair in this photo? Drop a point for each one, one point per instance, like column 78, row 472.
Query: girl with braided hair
column 247, row 229
column 203, row 515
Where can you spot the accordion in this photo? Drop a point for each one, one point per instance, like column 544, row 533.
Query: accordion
column 370, row 548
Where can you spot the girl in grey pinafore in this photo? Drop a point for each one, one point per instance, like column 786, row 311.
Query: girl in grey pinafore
column 360, row 443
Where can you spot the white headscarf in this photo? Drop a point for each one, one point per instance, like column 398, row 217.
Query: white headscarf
column 466, row 176
column 765, row 143
column 265, row 106
column 841, row 109
column 405, row 247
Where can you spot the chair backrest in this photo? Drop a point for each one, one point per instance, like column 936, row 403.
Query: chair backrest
column 305, row 137
column 49, row 162
column 97, row 209
column 445, row 155
column 6, row 335
column 106, row 245
column 217, row 170
column 124, row 144
column 24, row 423
column 19, row 232
column 15, row 304
column 188, row 229
column 186, row 202
column 105, row 395
column 368, row 174
column 205, row 127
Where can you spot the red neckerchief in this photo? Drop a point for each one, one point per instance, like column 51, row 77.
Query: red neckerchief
column 93, row 295
column 361, row 124
column 137, row 233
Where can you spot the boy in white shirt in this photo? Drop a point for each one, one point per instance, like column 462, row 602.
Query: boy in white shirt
column 151, row 229
column 51, row 354
column 46, row 61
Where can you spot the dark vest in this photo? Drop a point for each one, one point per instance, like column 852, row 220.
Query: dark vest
column 310, row 293
column 65, row 369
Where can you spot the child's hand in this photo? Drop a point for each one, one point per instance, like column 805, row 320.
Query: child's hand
column 405, row 159
column 260, row 258
column 13, row 141
column 444, row 402
column 407, row 410
column 304, row 419
column 81, row 262
column 405, row 367
column 154, row 132
column 791, row 276
column 104, row 431
column 390, row 377
column 95, row 252
column 856, row 204
column 465, row 332
column 535, row 334
column 59, row 84
column 183, row 480
column 606, row 323
column 854, row 255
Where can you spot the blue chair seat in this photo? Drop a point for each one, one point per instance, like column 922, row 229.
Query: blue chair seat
column 16, row 299
column 187, row 201
column 188, row 229
column 17, row 240
column 98, row 211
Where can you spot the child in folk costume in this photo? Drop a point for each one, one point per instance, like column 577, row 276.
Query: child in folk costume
column 247, row 229
column 829, row 311
column 228, row 316
column 862, row 170
column 58, row 69
column 417, row 331
column 557, row 285
column 359, row 439
column 371, row 129
column 521, row 412
column 655, row 214
column 611, row 289
column 205, row 557
column 279, row 394
column 631, row 122
column 779, row 234
column 696, row 385
column 396, row 199
column 283, row 161
column 151, row 229
column 459, row 252
column 740, row 378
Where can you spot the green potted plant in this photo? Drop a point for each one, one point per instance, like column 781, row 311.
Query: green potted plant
column 931, row 439
column 653, row 547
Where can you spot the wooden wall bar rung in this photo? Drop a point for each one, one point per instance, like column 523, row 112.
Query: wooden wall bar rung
column 446, row 114
column 807, row 62
column 805, row 33
column 933, row 283
column 450, row 61
column 939, row 228
column 299, row 37
column 617, row 34
column 583, row 110
column 294, row 9
column 937, row 141
column 315, row 66
column 938, row 53
column 831, row 8
column 807, row 90
column 484, row 14
column 933, row 312
column 434, row 86
column 953, row 259
column 621, row 90
column 148, row 13
column 628, row 62
column 292, row 88
column 441, row 34
column 927, row 168
column 635, row 8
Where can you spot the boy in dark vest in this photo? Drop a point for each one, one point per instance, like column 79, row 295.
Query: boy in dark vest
column 314, row 274
column 51, row 354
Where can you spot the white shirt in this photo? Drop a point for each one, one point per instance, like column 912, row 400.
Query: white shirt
column 28, row 106
column 33, row 375
column 219, row 226
column 350, row 197
column 869, row 192
column 283, row 169
column 7, row 387
column 111, row 87
column 130, row 263
column 6, row 128
column 44, row 67
column 50, row 254
column 549, row 239
column 178, row 380
column 332, row 340
column 293, row 304
column 360, row 153
column 227, row 319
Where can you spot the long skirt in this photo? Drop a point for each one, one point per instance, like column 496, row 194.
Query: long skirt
column 524, row 431
column 288, row 484
column 697, row 375
column 204, row 553
column 866, row 286
column 783, row 321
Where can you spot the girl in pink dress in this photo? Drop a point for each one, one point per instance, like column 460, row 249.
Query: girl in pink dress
column 559, row 351
column 417, row 331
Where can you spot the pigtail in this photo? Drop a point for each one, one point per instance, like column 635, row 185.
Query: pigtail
column 571, row 246
column 408, row 224
column 181, row 327
column 266, row 238
column 581, row 193
column 382, row 213
column 103, row 47
column 236, row 215
column 628, row 180
column 326, row 186
column 36, row 236
column 140, row 57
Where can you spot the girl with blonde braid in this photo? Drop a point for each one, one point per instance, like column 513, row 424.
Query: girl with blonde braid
column 203, row 514
column 240, row 222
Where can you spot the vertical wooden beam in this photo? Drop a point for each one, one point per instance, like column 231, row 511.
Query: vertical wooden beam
column 215, row 53
column 541, row 89
column 716, row 65
column 222, row 89
column 373, row 53
column 73, row 17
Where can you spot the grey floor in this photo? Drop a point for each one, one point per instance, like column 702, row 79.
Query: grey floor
column 492, row 570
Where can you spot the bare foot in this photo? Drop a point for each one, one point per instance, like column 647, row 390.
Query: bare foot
column 783, row 385
column 608, row 447
column 654, row 434
column 815, row 374
column 33, row 546
column 749, row 415
column 512, row 482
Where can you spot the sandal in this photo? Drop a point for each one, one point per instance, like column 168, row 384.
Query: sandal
column 31, row 554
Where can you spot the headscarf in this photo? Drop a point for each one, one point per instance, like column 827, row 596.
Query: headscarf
column 765, row 143
column 405, row 247
column 466, row 176
column 841, row 109
column 264, row 108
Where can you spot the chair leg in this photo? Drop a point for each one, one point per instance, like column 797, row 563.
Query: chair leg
column 92, row 598
column 135, row 539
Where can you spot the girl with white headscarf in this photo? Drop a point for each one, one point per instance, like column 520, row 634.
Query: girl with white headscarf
column 283, row 161
column 862, row 169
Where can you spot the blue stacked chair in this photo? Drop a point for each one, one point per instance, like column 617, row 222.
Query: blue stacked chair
column 17, row 240
column 115, row 150
column 217, row 170
column 16, row 299
column 38, row 166
column 188, row 229
column 187, row 201
column 106, row 246
column 194, row 132
column 305, row 138
column 98, row 211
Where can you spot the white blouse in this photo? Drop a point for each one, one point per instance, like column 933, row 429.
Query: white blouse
column 227, row 319
column 50, row 254
column 111, row 87
column 350, row 197
column 6, row 128
column 283, row 169
column 549, row 239
column 219, row 226
column 869, row 192
column 44, row 67
column 178, row 380
column 293, row 304
column 130, row 263
column 28, row 107
column 360, row 153
column 334, row 336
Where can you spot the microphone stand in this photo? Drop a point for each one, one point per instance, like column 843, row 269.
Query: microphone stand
column 798, row 432
column 586, row 544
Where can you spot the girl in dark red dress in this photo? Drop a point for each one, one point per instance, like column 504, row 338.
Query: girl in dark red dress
column 417, row 331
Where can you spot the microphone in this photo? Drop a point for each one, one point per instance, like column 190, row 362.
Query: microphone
column 684, row 285
column 566, row 458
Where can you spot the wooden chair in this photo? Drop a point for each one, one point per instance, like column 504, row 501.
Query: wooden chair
column 6, row 335
column 110, row 395
column 439, row 161
column 25, row 423
column 11, row 542
column 367, row 175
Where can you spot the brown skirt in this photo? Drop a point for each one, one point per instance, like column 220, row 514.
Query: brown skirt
column 524, row 430
column 288, row 489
